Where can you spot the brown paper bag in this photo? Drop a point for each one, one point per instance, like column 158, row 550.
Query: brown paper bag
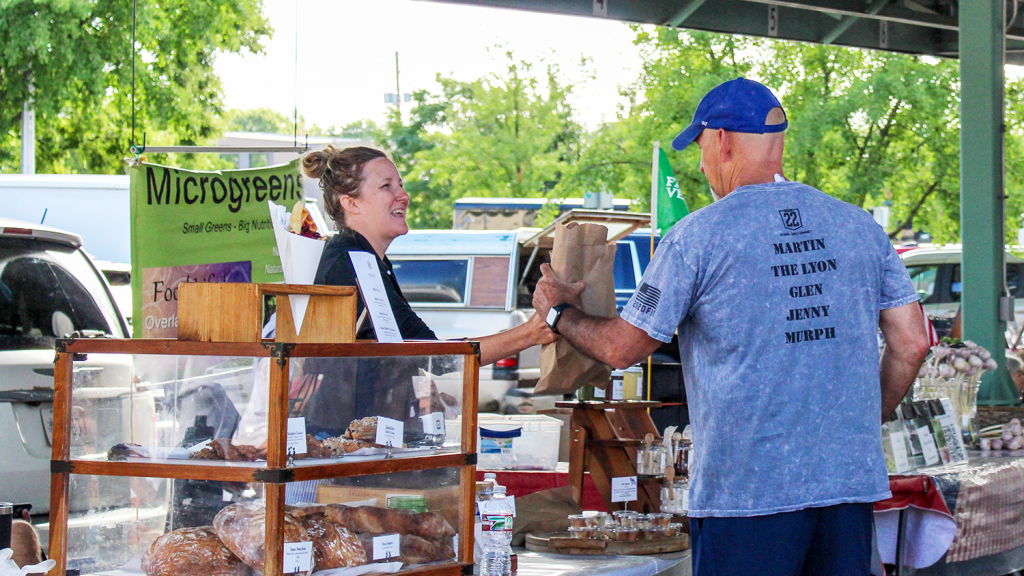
column 581, row 253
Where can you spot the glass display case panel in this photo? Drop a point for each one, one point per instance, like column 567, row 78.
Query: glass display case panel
column 167, row 406
column 358, row 408
column 161, row 527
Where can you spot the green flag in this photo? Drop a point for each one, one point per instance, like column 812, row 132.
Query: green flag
column 668, row 205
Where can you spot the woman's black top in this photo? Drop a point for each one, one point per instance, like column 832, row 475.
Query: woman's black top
column 354, row 388
column 336, row 270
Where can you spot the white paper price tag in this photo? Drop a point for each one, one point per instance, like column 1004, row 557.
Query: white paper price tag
column 387, row 546
column 433, row 423
column 931, row 453
column 297, row 435
column 899, row 453
column 298, row 557
column 624, row 489
column 598, row 393
column 389, row 432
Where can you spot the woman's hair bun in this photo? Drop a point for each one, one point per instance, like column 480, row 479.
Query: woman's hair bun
column 340, row 171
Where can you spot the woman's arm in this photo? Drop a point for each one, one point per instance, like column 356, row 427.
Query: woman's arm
column 504, row 344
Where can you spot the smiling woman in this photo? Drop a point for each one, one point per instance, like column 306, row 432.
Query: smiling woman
column 365, row 195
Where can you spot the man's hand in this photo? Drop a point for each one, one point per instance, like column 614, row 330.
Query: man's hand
column 552, row 291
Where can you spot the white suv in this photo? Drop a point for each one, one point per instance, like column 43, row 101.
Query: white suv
column 49, row 288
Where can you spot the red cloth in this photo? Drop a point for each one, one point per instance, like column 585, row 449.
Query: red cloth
column 522, row 482
column 917, row 491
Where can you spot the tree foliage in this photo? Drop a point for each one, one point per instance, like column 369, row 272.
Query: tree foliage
column 77, row 55
column 511, row 135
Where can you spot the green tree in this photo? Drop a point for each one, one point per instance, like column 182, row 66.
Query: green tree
column 77, row 54
column 260, row 120
column 679, row 68
column 512, row 135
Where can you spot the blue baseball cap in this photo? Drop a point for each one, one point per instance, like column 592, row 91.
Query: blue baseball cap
column 738, row 105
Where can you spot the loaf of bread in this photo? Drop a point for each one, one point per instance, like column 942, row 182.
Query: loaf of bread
column 374, row 520
column 333, row 545
column 242, row 528
column 191, row 552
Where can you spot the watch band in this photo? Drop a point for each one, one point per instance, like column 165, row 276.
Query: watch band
column 553, row 322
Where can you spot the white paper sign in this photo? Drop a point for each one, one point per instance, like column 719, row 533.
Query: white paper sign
column 375, row 297
column 624, row 489
column 387, row 546
column 389, row 432
column 433, row 423
column 931, row 453
column 297, row 435
column 298, row 557
column 899, row 453
column 598, row 393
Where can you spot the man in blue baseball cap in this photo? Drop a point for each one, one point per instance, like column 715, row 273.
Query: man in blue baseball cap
column 776, row 292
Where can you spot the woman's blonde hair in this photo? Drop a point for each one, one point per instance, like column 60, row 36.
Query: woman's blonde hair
column 340, row 172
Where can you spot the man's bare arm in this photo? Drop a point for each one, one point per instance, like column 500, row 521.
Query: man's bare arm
column 905, row 350
column 610, row 340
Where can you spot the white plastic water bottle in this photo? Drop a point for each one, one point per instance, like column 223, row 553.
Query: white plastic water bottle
column 496, row 534
column 482, row 495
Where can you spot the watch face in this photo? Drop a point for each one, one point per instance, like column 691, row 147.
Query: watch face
column 552, row 315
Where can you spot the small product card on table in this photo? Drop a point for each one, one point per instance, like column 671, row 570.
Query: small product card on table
column 433, row 423
column 298, row 557
column 387, row 546
column 624, row 489
column 375, row 297
column 899, row 453
column 296, row 435
column 931, row 453
column 389, row 432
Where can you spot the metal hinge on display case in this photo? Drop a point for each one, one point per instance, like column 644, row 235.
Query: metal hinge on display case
column 61, row 467
column 274, row 475
column 279, row 351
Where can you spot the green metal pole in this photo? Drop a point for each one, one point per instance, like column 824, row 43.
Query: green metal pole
column 981, row 187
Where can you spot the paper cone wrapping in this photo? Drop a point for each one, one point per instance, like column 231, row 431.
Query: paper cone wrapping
column 300, row 258
column 581, row 253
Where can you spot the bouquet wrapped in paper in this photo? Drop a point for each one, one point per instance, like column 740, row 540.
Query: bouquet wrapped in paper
column 300, row 245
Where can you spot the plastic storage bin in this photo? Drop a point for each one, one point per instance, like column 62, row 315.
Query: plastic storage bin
column 513, row 442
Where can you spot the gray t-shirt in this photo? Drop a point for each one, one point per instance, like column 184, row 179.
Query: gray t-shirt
column 775, row 292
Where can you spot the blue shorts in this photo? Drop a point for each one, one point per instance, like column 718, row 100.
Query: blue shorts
column 829, row 541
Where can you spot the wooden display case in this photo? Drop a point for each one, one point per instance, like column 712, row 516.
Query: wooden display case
column 278, row 470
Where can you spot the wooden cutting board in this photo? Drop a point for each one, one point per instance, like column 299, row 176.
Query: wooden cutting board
column 563, row 543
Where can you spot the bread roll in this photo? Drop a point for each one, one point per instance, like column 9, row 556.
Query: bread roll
column 243, row 526
column 191, row 552
column 333, row 545
column 374, row 520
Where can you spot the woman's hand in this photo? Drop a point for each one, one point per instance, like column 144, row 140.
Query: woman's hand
column 539, row 332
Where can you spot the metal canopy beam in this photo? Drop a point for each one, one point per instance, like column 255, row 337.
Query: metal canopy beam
column 981, row 187
column 914, row 27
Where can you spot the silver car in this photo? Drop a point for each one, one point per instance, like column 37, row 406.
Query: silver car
column 49, row 288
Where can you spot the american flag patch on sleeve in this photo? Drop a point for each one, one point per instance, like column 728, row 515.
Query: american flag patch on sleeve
column 646, row 298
